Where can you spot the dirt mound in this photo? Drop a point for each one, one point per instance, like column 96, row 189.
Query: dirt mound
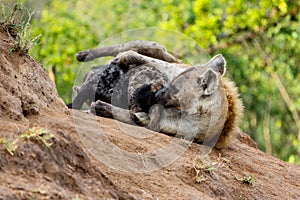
column 40, row 155
column 26, row 88
column 50, row 152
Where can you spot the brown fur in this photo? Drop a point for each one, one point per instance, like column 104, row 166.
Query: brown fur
column 234, row 114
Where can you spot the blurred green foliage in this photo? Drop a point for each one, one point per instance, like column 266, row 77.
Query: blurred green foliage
column 64, row 33
column 260, row 40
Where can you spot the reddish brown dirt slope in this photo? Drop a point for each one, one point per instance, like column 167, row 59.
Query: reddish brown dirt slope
column 74, row 155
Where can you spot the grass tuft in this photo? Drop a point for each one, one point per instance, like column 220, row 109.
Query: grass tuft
column 11, row 147
column 249, row 180
column 38, row 134
column 15, row 20
column 203, row 166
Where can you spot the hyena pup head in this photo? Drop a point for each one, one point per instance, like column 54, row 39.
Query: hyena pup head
column 190, row 89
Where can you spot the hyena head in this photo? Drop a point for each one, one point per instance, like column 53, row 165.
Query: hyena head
column 190, row 89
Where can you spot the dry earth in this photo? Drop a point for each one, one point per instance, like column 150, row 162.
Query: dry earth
column 50, row 152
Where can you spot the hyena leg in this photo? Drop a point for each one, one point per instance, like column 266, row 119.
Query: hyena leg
column 151, row 49
column 165, row 120
column 134, row 59
column 128, row 59
column 85, row 93
column 104, row 109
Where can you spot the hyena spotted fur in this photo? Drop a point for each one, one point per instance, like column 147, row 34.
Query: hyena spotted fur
column 147, row 85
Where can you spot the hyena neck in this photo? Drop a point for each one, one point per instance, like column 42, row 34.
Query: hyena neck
column 234, row 114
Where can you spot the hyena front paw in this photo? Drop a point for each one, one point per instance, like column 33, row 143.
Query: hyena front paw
column 101, row 108
column 83, row 56
column 142, row 118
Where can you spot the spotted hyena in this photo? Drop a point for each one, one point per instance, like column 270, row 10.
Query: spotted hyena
column 146, row 85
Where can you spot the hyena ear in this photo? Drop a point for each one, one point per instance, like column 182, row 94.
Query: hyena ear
column 218, row 64
column 209, row 82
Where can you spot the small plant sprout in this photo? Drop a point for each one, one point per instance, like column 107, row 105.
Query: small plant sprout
column 203, row 165
column 200, row 179
column 11, row 147
column 226, row 160
column 223, row 159
column 38, row 134
column 249, row 180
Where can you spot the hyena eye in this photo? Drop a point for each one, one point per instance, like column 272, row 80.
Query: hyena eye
column 110, row 91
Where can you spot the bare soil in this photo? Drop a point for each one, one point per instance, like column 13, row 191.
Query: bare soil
column 90, row 157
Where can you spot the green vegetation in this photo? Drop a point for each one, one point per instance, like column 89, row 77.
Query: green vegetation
column 11, row 147
column 38, row 134
column 249, row 180
column 203, row 166
column 64, row 33
column 260, row 40
column 15, row 20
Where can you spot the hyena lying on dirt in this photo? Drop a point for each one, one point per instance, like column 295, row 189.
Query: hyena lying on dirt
column 163, row 94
